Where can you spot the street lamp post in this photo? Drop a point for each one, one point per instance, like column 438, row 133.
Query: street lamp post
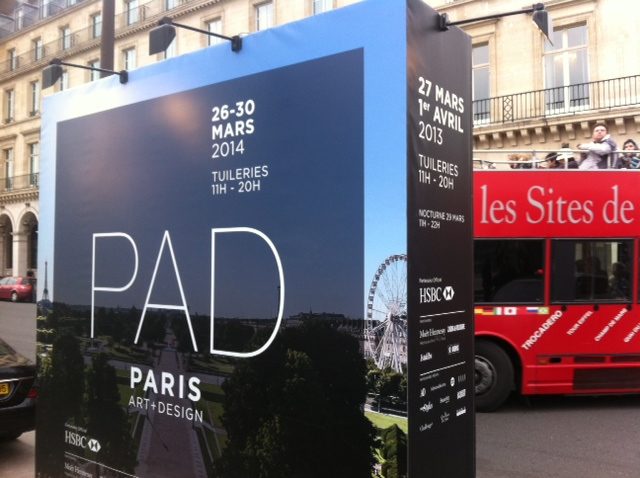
column 107, row 37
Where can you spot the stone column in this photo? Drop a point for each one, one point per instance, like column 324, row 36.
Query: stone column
column 6, row 251
column 19, row 254
column 3, row 245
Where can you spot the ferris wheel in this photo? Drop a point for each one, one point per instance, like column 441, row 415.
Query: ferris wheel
column 385, row 331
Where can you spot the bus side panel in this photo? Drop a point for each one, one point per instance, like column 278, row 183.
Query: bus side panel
column 577, row 350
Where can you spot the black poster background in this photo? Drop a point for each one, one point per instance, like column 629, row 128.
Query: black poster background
column 440, row 309
column 147, row 168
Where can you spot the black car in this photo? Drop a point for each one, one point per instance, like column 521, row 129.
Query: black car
column 17, row 393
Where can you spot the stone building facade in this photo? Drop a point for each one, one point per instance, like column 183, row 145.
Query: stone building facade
column 532, row 95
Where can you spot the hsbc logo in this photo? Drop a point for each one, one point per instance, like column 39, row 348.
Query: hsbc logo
column 435, row 294
column 448, row 293
column 81, row 441
column 94, row 445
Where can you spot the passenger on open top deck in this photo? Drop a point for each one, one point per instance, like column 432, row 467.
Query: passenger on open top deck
column 599, row 153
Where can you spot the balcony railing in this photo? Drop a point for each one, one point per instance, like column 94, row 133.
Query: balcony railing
column 81, row 38
column 147, row 10
column 553, row 102
column 26, row 14
column 15, row 183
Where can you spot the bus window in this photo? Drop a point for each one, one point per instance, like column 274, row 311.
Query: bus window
column 588, row 270
column 509, row 271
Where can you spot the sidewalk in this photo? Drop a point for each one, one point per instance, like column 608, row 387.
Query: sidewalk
column 17, row 457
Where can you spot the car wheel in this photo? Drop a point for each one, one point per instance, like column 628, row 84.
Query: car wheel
column 14, row 297
column 494, row 377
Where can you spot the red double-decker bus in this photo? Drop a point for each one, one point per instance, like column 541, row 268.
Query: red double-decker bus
column 556, row 283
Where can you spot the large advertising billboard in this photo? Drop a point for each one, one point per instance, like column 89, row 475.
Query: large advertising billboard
column 236, row 265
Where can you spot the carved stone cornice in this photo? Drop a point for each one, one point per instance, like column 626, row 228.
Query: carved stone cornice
column 570, row 126
column 21, row 195
column 8, row 137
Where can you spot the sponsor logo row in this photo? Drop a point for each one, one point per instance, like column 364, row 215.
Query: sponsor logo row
column 443, row 418
column 452, row 349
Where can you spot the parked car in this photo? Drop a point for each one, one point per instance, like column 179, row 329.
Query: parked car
column 16, row 288
column 17, row 393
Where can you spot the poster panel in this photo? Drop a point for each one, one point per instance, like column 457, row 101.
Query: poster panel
column 440, row 241
column 229, row 286
column 197, row 236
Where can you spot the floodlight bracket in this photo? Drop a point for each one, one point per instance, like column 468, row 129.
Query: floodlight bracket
column 161, row 36
column 540, row 18
column 53, row 71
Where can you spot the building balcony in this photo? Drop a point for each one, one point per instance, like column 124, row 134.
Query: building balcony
column 557, row 103
column 26, row 14
column 19, row 183
column 6, row 26
column 141, row 16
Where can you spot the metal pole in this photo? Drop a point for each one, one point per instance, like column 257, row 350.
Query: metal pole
column 491, row 17
column 108, row 37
